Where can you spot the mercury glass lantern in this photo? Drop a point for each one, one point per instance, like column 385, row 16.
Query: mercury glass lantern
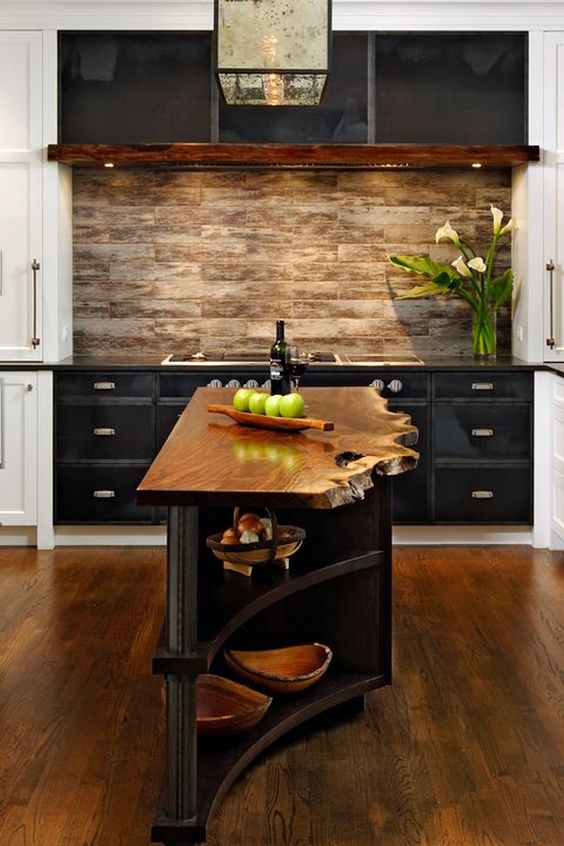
column 272, row 52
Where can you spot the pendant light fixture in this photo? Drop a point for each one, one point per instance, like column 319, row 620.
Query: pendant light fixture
column 272, row 52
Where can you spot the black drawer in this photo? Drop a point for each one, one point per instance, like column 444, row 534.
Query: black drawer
column 183, row 385
column 410, row 490
column 482, row 431
column 391, row 384
column 482, row 385
column 99, row 494
column 107, row 384
column 167, row 417
column 483, row 495
column 90, row 432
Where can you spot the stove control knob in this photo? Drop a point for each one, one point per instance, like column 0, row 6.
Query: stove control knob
column 395, row 386
column 378, row 384
column 266, row 385
column 215, row 383
column 233, row 383
column 251, row 383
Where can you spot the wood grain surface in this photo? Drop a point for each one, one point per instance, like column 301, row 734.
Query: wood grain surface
column 293, row 155
column 465, row 749
column 208, row 459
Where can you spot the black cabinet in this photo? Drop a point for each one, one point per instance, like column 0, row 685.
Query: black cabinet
column 482, row 429
column 104, row 443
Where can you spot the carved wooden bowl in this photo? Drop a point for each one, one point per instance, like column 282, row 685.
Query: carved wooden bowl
column 226, row 707
column 287, row 670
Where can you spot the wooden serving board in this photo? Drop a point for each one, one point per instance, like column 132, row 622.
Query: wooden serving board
column 263, row 421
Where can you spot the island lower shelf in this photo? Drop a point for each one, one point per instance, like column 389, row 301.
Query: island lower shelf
column 220, row 762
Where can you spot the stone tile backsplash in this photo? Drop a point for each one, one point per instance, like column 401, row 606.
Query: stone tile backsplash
column 179, row 260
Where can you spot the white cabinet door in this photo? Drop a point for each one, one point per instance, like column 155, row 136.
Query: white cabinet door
column 18, row 448
column 21, row 121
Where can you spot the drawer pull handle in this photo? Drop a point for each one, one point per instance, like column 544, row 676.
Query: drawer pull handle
column 104, row 432
column 104, row 386
column 482, row 386
column 482, row 494
column 482, row 433
column 104, row 494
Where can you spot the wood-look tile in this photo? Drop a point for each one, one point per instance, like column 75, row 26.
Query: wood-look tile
column 214, row 255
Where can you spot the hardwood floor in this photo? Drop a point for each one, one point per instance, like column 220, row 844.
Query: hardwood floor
column 465, row 749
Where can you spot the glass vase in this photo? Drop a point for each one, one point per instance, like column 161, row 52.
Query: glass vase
column 484, row 333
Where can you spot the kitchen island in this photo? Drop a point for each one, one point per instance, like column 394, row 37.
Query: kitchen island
column 337, row 590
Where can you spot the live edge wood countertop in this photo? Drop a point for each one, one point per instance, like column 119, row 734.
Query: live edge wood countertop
column 210, row 459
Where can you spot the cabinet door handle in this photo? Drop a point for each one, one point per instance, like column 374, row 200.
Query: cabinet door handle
column 104, row 386
column 482, row 386
column 551, row 341
column 482, row 494
column 104, row 494
column 35, row 266
column 104, row 432
column 482, row 433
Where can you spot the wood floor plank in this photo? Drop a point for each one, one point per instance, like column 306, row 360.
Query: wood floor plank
column 465, row 749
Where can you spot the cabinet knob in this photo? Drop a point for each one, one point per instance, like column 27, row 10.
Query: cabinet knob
column 377, row 384
column 395, row 386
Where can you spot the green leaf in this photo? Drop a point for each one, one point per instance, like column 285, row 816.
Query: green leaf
column 499, row 291
column 437, row 271
column 430, row 289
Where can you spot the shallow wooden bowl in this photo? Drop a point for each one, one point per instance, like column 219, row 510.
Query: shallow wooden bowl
column 286, row 670
column 226, row 707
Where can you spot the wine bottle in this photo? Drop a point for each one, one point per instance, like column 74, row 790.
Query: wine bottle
column 280, row 381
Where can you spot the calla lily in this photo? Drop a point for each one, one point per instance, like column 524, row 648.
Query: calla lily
column 461, row 267
column 447, row 231
column 497, row 215
column 509, row 227
column 478, row 264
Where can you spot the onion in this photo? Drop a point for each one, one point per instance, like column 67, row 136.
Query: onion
column 230, row 537
column 250, row 523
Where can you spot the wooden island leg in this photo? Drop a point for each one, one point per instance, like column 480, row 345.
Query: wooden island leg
column 182, row 639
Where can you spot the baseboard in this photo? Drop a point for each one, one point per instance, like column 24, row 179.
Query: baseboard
column 465, row 535
column 18, row 536
column 110, row 536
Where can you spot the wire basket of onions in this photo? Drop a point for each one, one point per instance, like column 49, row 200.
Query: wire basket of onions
column 254, row 540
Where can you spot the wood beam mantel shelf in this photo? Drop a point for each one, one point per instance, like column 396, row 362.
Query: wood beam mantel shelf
column 291, row 156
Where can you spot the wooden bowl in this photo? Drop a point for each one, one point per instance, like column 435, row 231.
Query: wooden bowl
column 286, row 670
column 226, row 707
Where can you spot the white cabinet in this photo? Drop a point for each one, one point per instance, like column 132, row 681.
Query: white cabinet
column 21, row 186
column 18, row 448
column 554, row 196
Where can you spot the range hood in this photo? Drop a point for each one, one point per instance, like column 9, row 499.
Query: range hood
column 291, row 156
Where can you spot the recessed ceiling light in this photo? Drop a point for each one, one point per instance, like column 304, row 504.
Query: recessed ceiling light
column 476, row 164
column 108, row 164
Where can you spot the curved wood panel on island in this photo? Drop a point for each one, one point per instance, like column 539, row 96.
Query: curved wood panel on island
column 337, row 591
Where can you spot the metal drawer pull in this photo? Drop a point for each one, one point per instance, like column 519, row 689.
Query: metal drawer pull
column 482, row 433
column 104, row 386
column 551, row 341
column 482, row 386
column 482, row 494
column 104, row 432
column 104, row 494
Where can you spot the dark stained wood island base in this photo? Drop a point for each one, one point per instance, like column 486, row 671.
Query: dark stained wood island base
column 337, row 590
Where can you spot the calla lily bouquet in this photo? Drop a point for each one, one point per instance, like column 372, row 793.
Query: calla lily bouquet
column 470, row 277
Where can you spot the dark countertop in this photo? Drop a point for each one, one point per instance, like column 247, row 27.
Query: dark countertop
column 153, row 362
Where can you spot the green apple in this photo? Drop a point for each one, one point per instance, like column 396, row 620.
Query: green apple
column 292, row 405
column 257, row 401
column 241, row 399
column 272, row 405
